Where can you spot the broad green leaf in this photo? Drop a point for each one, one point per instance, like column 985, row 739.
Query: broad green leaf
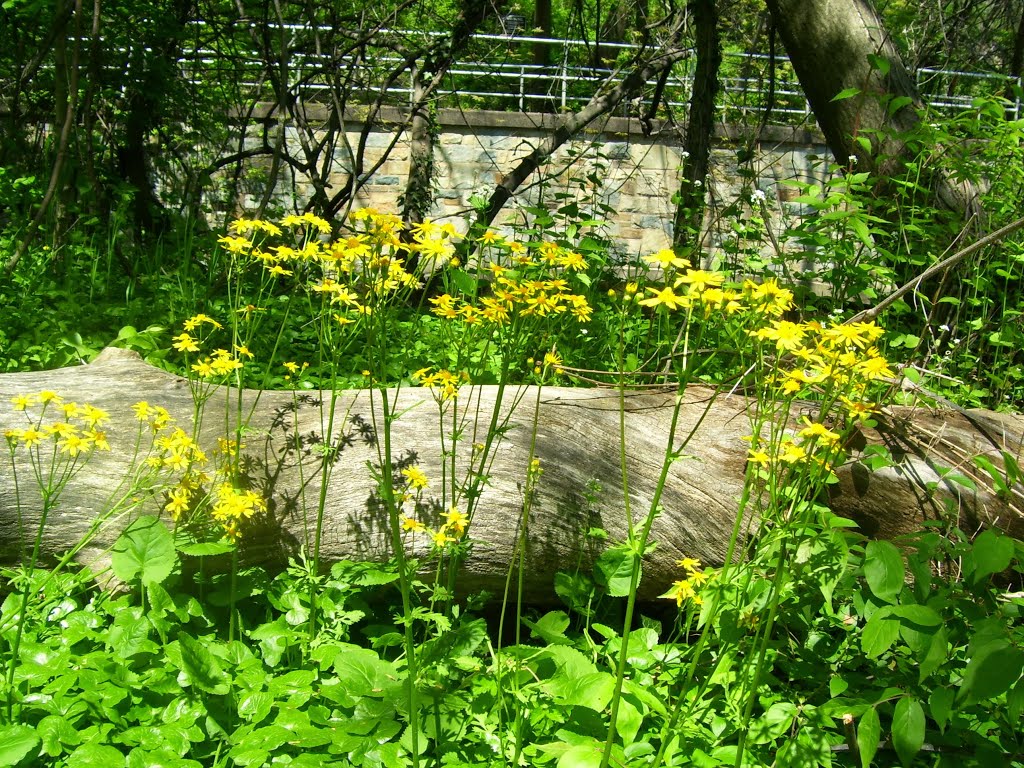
column 550, row 627
column 860, row 229
column 883, row 569
column 879, row 63
column 96, row 756
column 16, row 741
column 937, row 655
column 993, row 553
column 773, row 723
column 57, row 734
column 878, row 635
column 614, row 569
column 912, row 613
column 255, row 706
column 908, row 728
column 940, row 704
column 129, row 634
column 628, row 722
column 869, row 734
column 582, row 756
column 569, row 662
column 206, row 548
column 898, row 103
column 991, row 671
column 364, row 673
column 593, row 690
column 144, row 551
column 201, row 668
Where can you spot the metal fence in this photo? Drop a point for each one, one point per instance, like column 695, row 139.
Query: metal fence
column 501, row 72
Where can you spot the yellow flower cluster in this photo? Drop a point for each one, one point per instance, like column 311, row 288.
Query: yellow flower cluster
column 75, row 427
column 700, row 288
column 452, row 530
column 356, row 271
column 455, row 524
column 220, row 362
column 842, row 356
column 687, row 589
column 232, row 505
column 444, row 383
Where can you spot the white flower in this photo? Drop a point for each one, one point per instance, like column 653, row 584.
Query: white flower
column 758, row 196
column 944, row 328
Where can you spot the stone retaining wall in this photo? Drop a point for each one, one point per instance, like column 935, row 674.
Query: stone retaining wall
column 617, row 173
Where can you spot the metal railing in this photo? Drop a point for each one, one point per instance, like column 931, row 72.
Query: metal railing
column 501, row 72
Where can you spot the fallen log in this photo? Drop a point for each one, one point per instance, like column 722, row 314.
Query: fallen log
column 577, row 444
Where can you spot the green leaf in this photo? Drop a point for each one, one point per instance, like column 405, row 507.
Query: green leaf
column 937, row 655
column 201, row 668
column 998, row 481
column 879, row 63
column 846, row 93
column 255, row 706
column 16, row 741
column 93, row 755
column 869, row 734
column 206, row 548
column 860, row 229
column 883, row 569
column 593, row 690
column 908, row 728
column 994, row 667
column 363, row 673
column 879, row 634
column 898, row 103
column 582, row 756
column 993, row 553
column 144, row 551
column 921, row 615
column 550, row 627
column 614, row 570
column 940, row 704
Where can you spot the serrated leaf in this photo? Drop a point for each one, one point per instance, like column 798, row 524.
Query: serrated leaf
column 614, row 570
column 550, row 627
column 144, row 551
column 908, row 729
column 869, row 734
column 593, row 690
column 883, row 570
column 201, row 668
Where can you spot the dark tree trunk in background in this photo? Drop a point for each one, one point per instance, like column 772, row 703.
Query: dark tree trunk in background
column 689, row 216
column 539, row 86
column 831, row 44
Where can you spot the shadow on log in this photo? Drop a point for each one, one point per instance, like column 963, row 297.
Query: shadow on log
column 577, row 444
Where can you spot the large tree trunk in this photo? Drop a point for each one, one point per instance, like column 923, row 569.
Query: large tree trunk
column 577, row 444
column 832, row 45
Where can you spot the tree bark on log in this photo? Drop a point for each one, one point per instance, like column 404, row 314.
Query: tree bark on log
column 577, row 444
